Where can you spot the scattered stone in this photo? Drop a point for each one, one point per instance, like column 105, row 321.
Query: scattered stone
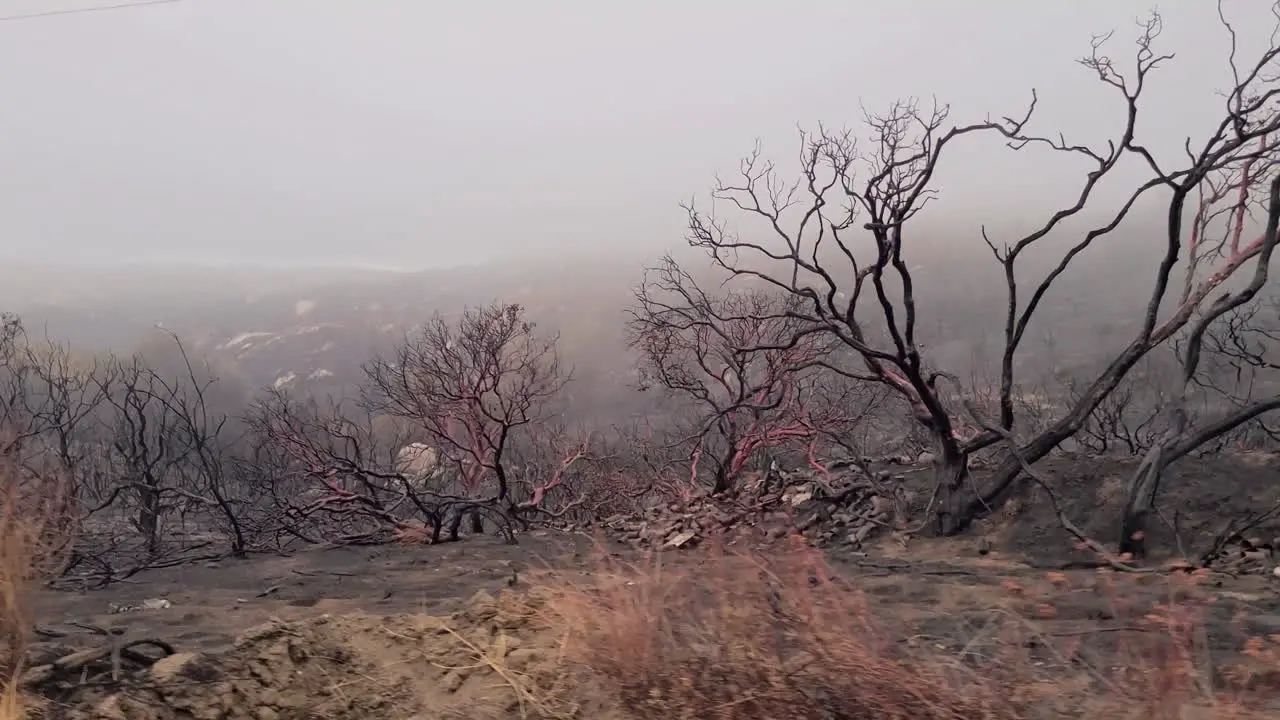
column 842, row 508
column 148, row 604
column 481, row 607
column 1247, row 556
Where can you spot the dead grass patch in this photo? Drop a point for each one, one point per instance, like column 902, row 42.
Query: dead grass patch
column 739, row 637
column 736, row 636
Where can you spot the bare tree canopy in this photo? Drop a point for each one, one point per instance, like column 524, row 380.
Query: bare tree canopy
column 840, row 237
column 470, row 387
column 757, row 375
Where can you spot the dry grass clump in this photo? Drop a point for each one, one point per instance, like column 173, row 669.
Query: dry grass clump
column 1155, row 657
column 744, row 638
column 34, row 537
column 747, row 638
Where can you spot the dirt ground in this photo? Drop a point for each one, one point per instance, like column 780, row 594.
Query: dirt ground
column 1197, row 496
column 347, row 632
column 402, row 632
column 211, row 603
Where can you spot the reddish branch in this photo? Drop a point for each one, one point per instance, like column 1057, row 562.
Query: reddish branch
column 308, row 440
column 338, row 457
column 1180, row 435
column 743, row 359
column 472, row 387
column 799, row 421
column 542, row 483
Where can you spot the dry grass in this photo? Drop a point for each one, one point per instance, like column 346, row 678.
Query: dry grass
column 745, row 638
column 33, row 538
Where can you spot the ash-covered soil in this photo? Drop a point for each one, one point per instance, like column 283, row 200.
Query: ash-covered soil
column 457, row 630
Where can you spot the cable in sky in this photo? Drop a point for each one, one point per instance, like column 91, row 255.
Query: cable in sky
column 76, row 11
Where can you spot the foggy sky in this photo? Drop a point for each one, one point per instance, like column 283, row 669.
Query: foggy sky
column 416, row 133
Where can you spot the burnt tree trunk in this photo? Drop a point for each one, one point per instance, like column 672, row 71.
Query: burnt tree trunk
column 721, row 484
column 721, row 480
column 1142, row 489
column 956, row 507
column 455, row 525
column 148, row 521
column 1144, row 484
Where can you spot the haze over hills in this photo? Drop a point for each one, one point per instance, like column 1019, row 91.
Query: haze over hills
column 309, row 329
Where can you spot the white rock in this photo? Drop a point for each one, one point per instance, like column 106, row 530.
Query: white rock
column 801, row 497
column 680, row 539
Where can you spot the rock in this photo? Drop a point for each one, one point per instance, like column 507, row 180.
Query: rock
column 800, row 497
column 260, row 634
column 110, row 709
column 861, row 534
column 881, row 505
column 523, row 658
column 680, row 539
column 1255, row 557
column 169, row 669
column 809, row 522
column 452, row 680
column 481, row 607
column 761, row 512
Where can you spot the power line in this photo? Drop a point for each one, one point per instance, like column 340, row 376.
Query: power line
column 51, row 13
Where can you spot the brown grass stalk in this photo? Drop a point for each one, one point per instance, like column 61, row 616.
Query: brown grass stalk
column 34, row 537
column 746, row 637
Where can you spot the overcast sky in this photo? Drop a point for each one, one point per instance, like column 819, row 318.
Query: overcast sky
column 414, row 133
